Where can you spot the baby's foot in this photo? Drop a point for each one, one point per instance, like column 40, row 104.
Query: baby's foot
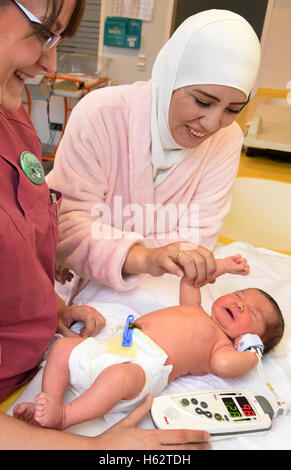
column 25, row 412
column 48, row 413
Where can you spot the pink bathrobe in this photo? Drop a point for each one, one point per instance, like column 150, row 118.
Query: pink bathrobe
column 103, row 168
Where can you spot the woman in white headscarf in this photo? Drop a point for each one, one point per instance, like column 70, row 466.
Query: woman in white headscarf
column 146, row 169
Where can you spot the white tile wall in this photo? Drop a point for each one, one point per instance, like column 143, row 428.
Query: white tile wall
column 275, row 70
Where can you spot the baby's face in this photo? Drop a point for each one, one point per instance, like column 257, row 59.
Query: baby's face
column 243, row 311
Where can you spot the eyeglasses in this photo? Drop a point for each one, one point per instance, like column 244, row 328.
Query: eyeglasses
column 52, row 38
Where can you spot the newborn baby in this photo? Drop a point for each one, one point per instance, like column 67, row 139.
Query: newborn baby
column 164, row 344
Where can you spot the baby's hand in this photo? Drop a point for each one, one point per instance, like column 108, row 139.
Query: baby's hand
column 236, row 265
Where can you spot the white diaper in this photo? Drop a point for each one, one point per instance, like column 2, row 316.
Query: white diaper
column 93, row 355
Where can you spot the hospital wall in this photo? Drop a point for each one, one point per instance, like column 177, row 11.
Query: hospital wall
column 124, row 63
column 275, row 70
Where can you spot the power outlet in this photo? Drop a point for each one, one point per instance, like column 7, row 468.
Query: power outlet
column 141, row 62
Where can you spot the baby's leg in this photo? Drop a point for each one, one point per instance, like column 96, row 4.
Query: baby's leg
column 115, row 383
column 56, row 374
column 55, row 378
column 54, row 382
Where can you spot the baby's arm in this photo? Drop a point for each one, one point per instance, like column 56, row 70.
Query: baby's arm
column 190, row 295
column 226, row 362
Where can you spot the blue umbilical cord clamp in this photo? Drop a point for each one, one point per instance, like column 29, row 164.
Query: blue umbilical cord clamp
column 127, row 333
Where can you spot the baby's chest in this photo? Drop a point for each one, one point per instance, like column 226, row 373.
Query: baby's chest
column 207, row 336
column 206, row 329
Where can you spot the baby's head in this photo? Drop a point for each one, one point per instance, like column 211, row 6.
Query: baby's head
column 249, row 311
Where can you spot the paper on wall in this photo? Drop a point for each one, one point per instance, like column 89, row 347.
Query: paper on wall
column 137, row 9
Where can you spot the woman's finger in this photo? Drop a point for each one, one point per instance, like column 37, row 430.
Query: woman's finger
column 197, row 261
column 94, row 320
column 171, row 267
column 210, row 262
column 135, row 417
column 184, row 436
column 65, row 331
column 160, row 262
column 193, row 266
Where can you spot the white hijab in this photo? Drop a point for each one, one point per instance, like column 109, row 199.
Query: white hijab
column 215, row 47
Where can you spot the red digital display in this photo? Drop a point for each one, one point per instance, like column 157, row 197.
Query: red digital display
column 245, row 406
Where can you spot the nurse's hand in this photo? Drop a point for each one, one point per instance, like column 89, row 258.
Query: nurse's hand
column 93, row 321
column 126, row 435
column 194, row 262
column 62, row 274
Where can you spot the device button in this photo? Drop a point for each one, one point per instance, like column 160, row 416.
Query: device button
column 185, row 402
column 199, row 411
column 218, row 417
column 194, row 401
column 204, row 404
column 208, row 414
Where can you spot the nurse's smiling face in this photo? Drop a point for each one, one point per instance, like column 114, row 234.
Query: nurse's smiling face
column 21, row 54
column 198, row 111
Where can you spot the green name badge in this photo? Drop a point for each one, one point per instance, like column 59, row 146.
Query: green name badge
column 32, row 167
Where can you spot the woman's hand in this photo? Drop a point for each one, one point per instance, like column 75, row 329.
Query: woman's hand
column 125, row 435
column 67, row 315
column 62, row 274
column 194, row 262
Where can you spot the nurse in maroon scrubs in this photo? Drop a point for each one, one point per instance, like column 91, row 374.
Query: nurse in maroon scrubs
column 30, row 311
column 28, row 217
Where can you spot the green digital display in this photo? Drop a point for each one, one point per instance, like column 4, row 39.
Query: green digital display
column 231, row 407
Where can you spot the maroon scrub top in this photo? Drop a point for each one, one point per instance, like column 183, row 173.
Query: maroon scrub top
column 28, row 237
